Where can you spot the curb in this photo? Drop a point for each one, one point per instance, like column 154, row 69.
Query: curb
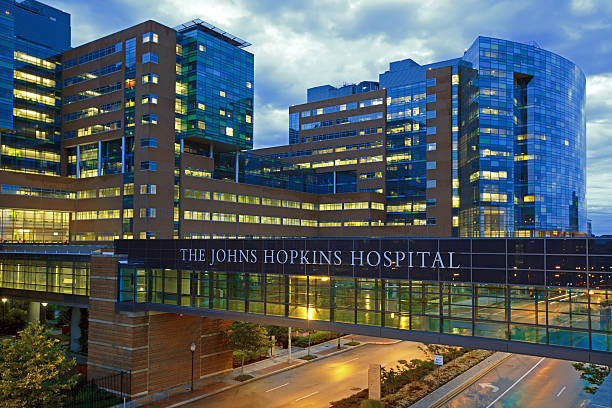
column 220, row 390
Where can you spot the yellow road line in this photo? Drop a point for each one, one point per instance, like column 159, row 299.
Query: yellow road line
column 459, row 390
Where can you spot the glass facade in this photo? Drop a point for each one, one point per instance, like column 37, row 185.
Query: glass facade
column 545, row 291
column 523, row 109
column 45, row 273
column 218, row 79
column 406, row 155
column 17, row 225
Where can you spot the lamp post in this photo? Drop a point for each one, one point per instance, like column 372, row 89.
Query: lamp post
column 193, row 349
column 4, row 300
column 43, row 315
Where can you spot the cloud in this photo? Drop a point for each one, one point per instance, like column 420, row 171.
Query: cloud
column 299, row 44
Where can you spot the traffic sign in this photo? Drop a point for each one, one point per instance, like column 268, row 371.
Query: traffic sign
column 438, row 360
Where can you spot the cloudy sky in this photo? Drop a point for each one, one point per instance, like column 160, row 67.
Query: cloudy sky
column 299, row 44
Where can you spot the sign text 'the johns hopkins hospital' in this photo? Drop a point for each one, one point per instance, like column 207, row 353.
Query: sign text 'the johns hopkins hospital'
column 418, row 259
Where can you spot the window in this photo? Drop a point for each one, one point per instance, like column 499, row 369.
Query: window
column 229, row 131
column 254, row 219
column 148, row 142
column 150, row 37
column 148, row 188
column 248, row 199
column 148, row 212
column 431, row 221
column 270, row 220
column 249, row 84
column 378, row 206
column 148, row 165
column 224, row 197
column 431, row 130
column 149, row 98
column 150, row 57
column 197, row 194
column 431, row 202
column 291, row 221
column 222, row 93
column 202, row 48
column 431, row 183
column 128, row 189
column 223, row 217
column 431, row 165
column 431, row 114
column 271, row 201
column 149, row 119
column 150, row 78
column 86, row 194
column 431, row 147
column 147, row 235
column 330, row 207
column 110, row 192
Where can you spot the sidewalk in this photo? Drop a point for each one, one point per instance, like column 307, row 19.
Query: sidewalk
column 179, row 396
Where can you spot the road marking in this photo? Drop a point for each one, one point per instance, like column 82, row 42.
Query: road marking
column 489, row 385
column 306, row 396
column 516, row 382
column 353, row 359
column 561, row 392
column 276, row 388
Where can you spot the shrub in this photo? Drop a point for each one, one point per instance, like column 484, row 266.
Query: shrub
column 308, row 357
column 315, row 338
column 352, row 343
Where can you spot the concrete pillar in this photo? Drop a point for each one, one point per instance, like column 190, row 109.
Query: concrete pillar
column 34, row 312
column 75, row 330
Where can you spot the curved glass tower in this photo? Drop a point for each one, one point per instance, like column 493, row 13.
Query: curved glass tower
column 522, row 147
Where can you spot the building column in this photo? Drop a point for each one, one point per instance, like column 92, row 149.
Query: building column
column 75, row 329
column 34, row 312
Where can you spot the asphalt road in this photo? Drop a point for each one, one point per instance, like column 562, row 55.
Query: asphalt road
column 315, row 384
column 525, row 381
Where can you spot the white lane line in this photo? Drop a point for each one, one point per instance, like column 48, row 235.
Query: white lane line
column 276, row 388
column 516, row 382
column 306, row 396
column 561, row 392
column 353, row 359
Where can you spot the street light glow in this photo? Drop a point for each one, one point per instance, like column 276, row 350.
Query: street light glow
column 4, row 300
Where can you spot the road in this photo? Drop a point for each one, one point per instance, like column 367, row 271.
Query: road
column 315, row 384
column 525, row 381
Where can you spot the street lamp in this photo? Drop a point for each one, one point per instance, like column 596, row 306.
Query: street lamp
column 193, row 349
column 44, row 313
column 4, row 300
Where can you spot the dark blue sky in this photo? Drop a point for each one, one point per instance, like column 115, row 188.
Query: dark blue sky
column 300, row 44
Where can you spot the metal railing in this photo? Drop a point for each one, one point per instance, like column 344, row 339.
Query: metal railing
column 100, row 392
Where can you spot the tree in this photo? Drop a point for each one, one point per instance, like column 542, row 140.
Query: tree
column 593, row 374
column 34, row 370
column 246, row 337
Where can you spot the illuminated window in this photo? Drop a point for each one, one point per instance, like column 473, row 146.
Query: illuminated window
column 150, row 78
column 147, row 212
column 110, row 192
column 148, row 165
column 248, row 119
column 249, row 84
column 150, row 37
column 149, row 119
column 149, row 98
column 202, row 48
column 222, row 93
column 224, row 197
column 253, row 219
column 148, row 189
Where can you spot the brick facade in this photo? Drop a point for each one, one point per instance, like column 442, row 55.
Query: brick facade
column 153, row 347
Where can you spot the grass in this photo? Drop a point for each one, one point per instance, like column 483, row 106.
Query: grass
column 243, row 377
column 352, row 343
column 308, row 357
